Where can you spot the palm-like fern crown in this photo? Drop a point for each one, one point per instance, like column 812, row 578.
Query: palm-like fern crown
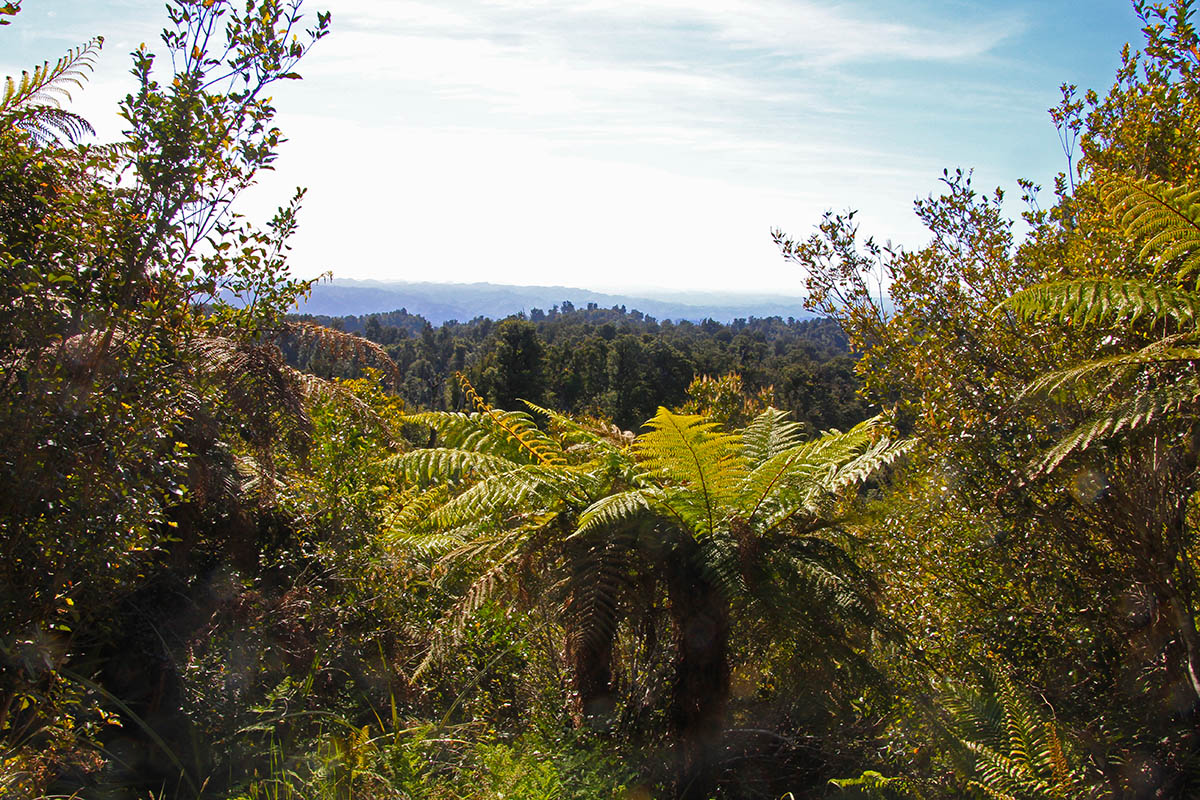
column 496, row 498
column 32, row 104
column 764, row 476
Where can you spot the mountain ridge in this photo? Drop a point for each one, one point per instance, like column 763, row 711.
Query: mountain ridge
column 442, row 302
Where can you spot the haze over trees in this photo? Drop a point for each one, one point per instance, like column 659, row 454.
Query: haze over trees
column 585, row 553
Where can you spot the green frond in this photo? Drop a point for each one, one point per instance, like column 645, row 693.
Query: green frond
column 768, row 435
column 520, row 428
column 446, row 465
column 573, row 432
column 599, row 578
column 484, row 588
column 32, row 103
column 1142, row 409
column 1009, row 748
column 1116, row 367
column 527, row 488
column 877, row 457
column 413, row 508
column 872, row 785
column 690, row 451
column 430, row 543
column 46, row 84
column 616, row 509
column 1096, row 301
column 1165, row 218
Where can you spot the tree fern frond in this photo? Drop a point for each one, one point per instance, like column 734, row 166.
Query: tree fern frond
column 448, row 465
column 1105, row 300
column 1164, row 217
column 769, row 434
column 484, row 588
column 412, row 509
column 49, row 124
column 616, row 509
column 690, row 451
column 46, row 84
column 520, row 428
column 343, row 345
column 598, row 579
column 1160, row 352
column 578, row 434
column 1127, row 415
column 335, row 392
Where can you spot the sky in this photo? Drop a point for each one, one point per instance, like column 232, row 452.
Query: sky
column 618, row 145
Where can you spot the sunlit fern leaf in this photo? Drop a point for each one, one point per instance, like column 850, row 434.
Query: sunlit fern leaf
column 877, row 457
column 573, row 431
column 521, row 429
column 1144, row 408
column 769, row 434
column 1163, row 217
column 691, row 451
column 1114, row 368
column 412, row 509
column 527, row 487
column 1095, row 301
column 429, row 543
column 872, row 785
column 1007, row 748
column 446, row 465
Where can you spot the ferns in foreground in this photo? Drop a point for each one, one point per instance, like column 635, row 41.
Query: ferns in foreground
column 1132, row 388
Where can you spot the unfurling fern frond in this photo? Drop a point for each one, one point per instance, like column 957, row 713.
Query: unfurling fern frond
column 32, row 103
column 1163, row 217
column 1097, row 301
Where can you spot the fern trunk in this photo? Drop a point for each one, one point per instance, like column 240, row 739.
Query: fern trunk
column 591, row 677
column 700, row 613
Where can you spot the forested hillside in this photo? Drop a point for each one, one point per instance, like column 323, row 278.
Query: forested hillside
column 613, row 363
column 940, row 543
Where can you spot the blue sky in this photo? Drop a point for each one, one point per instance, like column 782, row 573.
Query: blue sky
column 619, row 145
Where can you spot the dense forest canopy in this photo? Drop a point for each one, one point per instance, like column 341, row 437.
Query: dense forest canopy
column 615, row 363
column 939, row 543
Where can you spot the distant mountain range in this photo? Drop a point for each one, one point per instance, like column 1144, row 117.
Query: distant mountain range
column 441, row 302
